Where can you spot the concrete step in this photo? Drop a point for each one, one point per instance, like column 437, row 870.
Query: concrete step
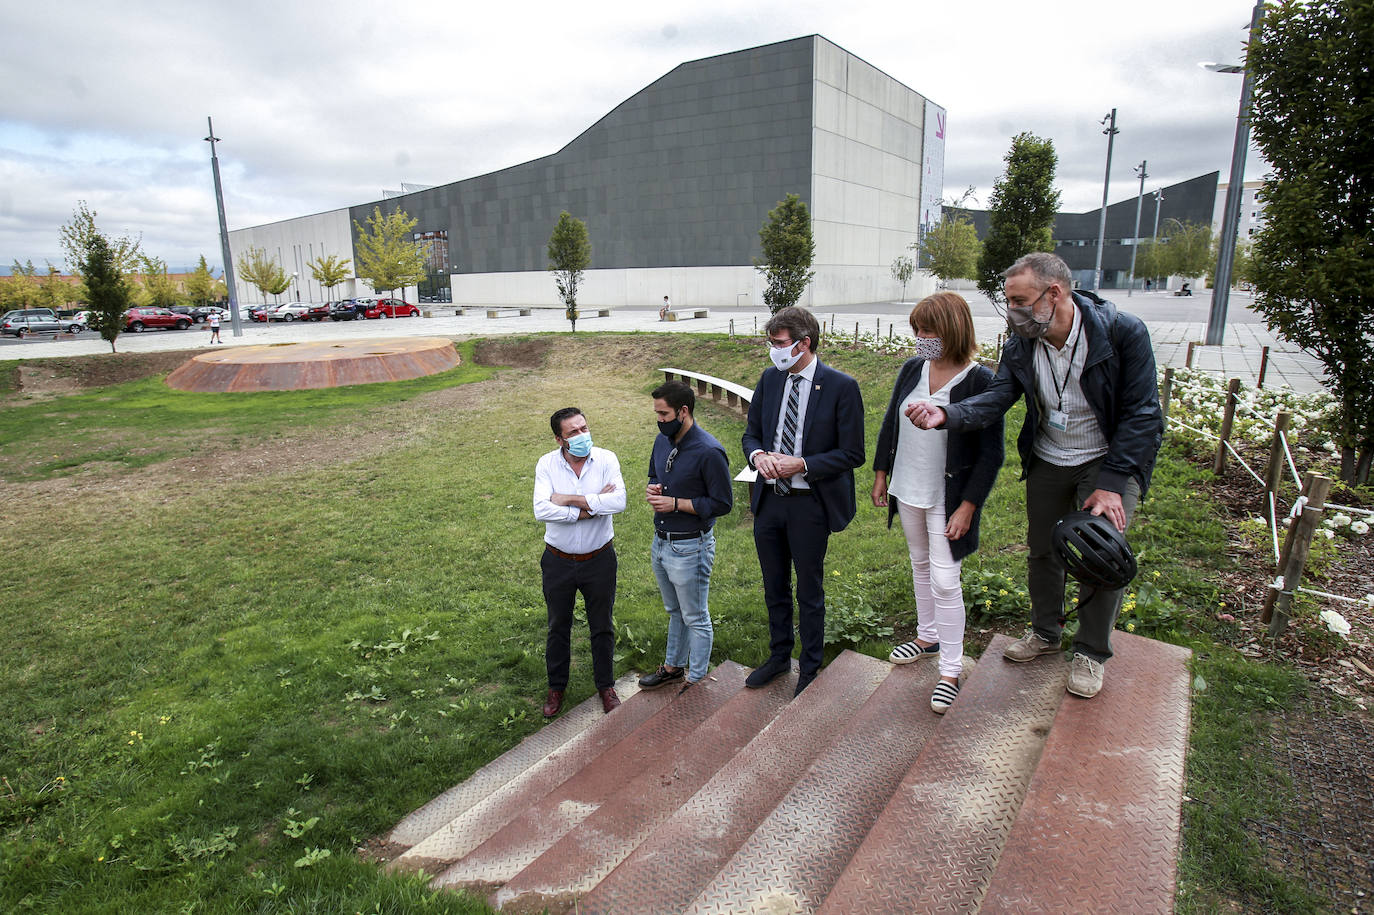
column 483, row 819
column 1099, row 829
column 672, row 864
column 506, row 768
column 790, row 862
column 540, row 824
column 937, row 840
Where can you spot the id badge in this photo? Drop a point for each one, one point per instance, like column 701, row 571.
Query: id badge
column 1058, row 420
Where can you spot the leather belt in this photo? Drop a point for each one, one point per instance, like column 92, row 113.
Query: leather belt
column 577, row 557
column 679, row 535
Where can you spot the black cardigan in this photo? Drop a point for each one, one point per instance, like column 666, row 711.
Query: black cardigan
column 972, row 458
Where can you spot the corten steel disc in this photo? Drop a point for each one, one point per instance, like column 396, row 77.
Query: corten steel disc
column 298, row 366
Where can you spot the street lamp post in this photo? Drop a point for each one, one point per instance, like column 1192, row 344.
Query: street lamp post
column 1111, row 133
column 234, row 322
column 1221, row 289
column 1135, row 239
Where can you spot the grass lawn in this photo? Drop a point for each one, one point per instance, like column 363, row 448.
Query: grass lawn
column 248, row 633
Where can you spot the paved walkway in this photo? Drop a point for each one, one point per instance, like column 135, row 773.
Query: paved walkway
column 1238, row 357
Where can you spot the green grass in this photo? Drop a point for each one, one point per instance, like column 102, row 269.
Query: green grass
column 193, row 676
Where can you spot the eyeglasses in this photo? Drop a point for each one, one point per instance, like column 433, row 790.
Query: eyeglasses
column 668, row 466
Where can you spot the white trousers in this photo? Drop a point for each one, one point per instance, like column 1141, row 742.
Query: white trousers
column 935, row 581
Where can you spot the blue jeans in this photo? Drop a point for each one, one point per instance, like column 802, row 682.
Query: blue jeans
column 683, row 570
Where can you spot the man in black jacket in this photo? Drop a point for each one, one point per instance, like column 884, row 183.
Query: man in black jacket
column 1093, row 428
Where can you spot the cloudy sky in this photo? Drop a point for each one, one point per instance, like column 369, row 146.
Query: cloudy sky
column 322, row 105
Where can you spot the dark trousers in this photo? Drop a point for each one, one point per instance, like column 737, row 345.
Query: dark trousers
column 1051, row 493
column 595, row 578
column 790, row 534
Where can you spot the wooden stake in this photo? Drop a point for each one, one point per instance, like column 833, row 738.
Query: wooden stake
column 1273, row 475
column 1306, row 525
column 1264, row 367
column 1167, row 394
column 1232, row 389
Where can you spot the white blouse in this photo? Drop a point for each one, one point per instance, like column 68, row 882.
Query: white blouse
column 918, row 471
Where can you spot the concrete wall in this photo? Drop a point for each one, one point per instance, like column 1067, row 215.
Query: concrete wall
column 866, row 177
column 674, row 184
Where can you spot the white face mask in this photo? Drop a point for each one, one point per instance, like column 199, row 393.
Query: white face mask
column 783, row 357
column 929, row 348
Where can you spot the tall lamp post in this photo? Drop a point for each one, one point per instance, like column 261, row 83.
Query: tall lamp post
column 1111, row 133
column 1135, row 239
column 234, row 321
column 1221, row 289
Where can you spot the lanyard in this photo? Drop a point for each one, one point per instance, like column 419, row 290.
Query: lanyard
column 1058, row 388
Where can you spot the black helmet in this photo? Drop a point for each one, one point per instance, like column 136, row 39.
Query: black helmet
column 1094, row 551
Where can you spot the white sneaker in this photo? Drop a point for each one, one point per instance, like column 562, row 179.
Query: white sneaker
column 1029, row 647
column 1085, row 677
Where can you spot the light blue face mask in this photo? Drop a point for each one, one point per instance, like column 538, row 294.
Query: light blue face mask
column 580, row 445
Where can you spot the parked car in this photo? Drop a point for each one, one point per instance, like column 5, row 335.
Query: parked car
column 391, row 308
column 347, row 310
column 288, row 312
column 317, row 312
column 259, row 312
column 201, row 313
column 27, row 321
column 138, row 320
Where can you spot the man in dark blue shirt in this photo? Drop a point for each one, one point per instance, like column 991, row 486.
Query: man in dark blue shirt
column 689, row 487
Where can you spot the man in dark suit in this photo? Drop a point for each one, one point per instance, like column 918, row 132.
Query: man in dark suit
column 805, row 436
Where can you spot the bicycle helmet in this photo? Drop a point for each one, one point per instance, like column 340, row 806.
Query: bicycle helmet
column 1094, row 551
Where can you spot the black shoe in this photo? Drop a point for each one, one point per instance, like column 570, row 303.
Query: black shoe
column 661, row 677
column 766, row 672
column 803, row 682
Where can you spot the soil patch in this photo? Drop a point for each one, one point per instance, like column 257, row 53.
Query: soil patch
column 523, row 354
column 67, row 375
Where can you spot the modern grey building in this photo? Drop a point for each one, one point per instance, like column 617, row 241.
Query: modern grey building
column 1075, row 234
column 674, row 184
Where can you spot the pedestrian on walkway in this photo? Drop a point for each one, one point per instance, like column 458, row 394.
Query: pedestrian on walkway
column 937, row 481
column 213, row 320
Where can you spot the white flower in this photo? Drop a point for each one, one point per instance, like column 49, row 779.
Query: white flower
column 1369, row 599
column 1335, row 622
column 1340, row 519
column 1330, row 534
column 1330, row 446
column 1359, row 527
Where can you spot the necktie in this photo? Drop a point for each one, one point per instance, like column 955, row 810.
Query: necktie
column 789, row 428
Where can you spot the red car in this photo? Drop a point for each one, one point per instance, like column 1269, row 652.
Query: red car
column 140, row 319
column 390, row 308
column 316, row 312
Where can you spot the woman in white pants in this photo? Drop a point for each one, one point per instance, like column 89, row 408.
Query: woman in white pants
column 936, row 481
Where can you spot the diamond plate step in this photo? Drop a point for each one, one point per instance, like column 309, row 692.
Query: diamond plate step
column 792, row 859
column 934, row 847
column 543, row 823
column 645, row 798
column 507, row 767
column 1099, row 829
column 483, row 819
column 672, row 864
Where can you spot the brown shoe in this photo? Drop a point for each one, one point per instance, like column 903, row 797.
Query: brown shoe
column 554, row 703
column 609, row 700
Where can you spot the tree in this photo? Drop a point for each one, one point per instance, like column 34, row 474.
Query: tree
column 388, row 255
column 1241, row 264
column 20, row 288
column 161, row 291
column 1152, row 259
column 78, row 234
column 570, row 254
column 329, row 271
column 903, row 268
column 263, row 272
column 1189, row 249
column 1314, row 256
column 200, row 284
column 107, row 290
column 951, row 248
column 1020, row 211
column 788, row 250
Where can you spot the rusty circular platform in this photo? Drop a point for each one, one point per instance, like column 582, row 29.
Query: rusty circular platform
column 298, row 366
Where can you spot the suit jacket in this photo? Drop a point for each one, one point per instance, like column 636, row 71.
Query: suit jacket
column 832, row 441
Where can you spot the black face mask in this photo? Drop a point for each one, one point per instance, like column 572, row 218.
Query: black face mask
column 670, row 428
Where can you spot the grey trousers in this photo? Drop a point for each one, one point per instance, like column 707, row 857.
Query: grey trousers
column 1051, row 493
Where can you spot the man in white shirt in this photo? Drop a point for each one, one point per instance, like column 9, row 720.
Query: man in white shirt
column 577, row 488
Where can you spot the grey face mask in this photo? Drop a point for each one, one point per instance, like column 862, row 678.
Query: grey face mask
column 1024, row 323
